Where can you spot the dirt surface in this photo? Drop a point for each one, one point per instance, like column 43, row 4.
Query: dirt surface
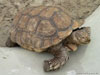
column 78, row 9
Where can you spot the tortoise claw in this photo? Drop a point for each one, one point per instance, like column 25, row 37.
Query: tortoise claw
column 46, row 66
column 54, row 64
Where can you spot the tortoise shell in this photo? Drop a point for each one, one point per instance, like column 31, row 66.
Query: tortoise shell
column 38, row 28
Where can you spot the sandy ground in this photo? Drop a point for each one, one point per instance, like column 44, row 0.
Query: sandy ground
column 78, row 9
column 85, row 61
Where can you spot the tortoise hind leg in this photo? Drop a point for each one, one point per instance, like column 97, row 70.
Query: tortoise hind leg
column 10, row 43
column 60, row 57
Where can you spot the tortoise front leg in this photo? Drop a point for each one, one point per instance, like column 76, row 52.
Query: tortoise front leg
column 60, row 57
column 10, row 43
column 71, row 47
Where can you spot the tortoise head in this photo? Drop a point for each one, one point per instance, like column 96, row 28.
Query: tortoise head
column 82, row 35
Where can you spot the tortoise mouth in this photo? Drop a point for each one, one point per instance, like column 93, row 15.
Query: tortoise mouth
column 88, row 41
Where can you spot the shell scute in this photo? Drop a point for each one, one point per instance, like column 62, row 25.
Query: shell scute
column 62, row 20
column 32, row 24
column 23, row 21
column 45, row 28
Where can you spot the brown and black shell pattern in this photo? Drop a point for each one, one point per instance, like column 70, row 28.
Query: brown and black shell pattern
column 38, row 28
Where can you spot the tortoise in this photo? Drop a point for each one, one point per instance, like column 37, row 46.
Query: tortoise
column 48, row 29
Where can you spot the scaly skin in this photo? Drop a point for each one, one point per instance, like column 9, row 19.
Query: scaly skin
column 61, row 55
column 60, row 51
